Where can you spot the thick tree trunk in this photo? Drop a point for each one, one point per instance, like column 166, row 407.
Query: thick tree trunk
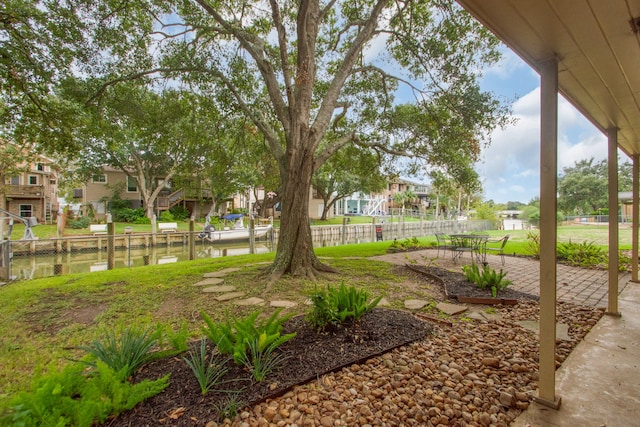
column 295, row 253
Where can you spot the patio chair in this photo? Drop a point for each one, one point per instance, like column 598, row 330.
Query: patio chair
column 444, row 242
column 498, row 250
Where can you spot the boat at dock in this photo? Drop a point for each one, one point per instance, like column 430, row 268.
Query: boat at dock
column 236, row 233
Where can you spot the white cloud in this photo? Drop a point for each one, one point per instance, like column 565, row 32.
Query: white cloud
column 510, row 168
column 509, row 64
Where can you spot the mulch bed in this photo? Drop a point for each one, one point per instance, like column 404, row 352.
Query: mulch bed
column 456, row 285
column 309, row 355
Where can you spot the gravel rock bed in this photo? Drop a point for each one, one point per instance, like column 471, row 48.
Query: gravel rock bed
column 473, row 373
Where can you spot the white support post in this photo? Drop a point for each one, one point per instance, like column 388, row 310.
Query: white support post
column 612, row 307
column 548, row 231
column 635, row 218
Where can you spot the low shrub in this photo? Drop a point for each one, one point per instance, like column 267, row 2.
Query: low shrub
column 180, row 213
column 487, row 279
column 406, row 244
column 166, row 216
column 82, row 222
column 585, row 254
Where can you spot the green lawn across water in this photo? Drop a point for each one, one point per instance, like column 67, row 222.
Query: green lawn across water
column 598, row 234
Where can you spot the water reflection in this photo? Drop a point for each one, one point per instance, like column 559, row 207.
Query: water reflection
column 31, row 267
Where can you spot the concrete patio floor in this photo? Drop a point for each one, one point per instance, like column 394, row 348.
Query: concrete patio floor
column 599, row 383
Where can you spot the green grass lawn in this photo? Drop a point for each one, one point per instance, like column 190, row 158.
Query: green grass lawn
column 44, row 321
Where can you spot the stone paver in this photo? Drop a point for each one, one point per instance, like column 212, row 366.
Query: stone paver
column 219, row 289
column 479, row 313
column 249, row 301
column 384, row 302
column 209, row 281
column 575, row 285
column 229, row 296
column 415, row 304
column 283, row 304
column 562, row 330
column 451, row 309
column 221, row 273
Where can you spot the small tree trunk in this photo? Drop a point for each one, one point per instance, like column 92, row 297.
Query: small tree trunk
column 325, row 209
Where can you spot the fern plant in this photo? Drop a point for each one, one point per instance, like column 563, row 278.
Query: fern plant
column 76, row 397
column 487, row 279
column 335, row 306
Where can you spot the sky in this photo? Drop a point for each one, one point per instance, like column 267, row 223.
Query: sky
column 510, row 166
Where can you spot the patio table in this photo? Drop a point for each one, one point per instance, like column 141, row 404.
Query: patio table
column 475, row 244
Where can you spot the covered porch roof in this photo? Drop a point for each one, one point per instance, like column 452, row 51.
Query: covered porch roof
column 589, row 51
column 596, row 44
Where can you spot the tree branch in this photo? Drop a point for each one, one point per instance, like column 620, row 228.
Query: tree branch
column 284, row 54
column 333, row 148
column 255, row 47
column 327, row 107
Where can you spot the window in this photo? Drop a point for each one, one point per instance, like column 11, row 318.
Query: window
column 40, row 167
column 15, row 180
column 99, row 178
column 132, row 185
column 77, row 193
column 33, row 180
column 26, row 211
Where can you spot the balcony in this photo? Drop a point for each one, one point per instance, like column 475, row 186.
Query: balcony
column 24, row 191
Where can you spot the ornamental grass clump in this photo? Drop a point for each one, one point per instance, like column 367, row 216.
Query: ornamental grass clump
column 334, row 306
column 487, row 279
column 209, row 369
column 125, row 350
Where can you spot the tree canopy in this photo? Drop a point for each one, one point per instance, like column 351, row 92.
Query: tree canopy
column 312, row 76
column 583, row 188
column 40, row 41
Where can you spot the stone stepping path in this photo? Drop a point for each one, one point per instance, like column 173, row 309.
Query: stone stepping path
column 213, row 284
column 210, row 281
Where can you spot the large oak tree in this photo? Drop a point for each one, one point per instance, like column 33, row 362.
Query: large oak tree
column 302, row 69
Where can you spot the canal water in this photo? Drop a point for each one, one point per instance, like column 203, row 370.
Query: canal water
column 35, row 266
column 45, row 264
